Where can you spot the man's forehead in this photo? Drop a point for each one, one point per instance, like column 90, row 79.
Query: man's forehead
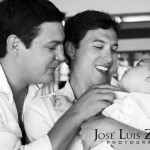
column 51, row 32
column 101, row 35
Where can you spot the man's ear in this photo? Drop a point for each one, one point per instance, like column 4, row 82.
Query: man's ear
column 13, row 45
column 70, row 49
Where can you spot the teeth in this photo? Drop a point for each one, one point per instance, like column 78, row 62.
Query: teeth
column 101, row 68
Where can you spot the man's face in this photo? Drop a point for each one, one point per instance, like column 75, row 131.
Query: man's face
column 137, row 78
column 46, row 51
column 95, row 58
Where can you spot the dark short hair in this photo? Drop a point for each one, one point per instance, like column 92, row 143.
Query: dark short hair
column 77, row 26
column 23, row 18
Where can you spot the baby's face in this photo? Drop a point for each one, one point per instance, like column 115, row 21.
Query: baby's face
column 137, row 77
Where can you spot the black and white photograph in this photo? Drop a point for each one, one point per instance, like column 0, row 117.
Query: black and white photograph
column 74, row 75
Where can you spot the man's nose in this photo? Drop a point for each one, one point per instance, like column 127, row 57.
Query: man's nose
column 60, row 53
column 108, row 56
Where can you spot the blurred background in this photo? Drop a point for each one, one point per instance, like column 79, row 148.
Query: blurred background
column 134, row 38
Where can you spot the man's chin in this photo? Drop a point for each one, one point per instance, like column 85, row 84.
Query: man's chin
column 102, row 80
column 102, row 77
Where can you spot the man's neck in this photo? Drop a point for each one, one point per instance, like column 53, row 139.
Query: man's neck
column 78, row 84
column 19, row 94
column 17, row 85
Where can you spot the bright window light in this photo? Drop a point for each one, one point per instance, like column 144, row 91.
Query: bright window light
column 136, row 18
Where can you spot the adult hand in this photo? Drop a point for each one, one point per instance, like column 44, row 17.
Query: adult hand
column 94, row 131
column 94, row 100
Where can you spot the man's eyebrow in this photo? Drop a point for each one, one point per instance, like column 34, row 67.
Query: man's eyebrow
column 55, row 42
column 96, row 40
column 101, row 41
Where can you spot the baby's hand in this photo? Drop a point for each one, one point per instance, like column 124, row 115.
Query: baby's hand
column 61, row 103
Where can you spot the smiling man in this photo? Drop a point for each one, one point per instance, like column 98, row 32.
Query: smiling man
column 93, row 61
column 96, row 56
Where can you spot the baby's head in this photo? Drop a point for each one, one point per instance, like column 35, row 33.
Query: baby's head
column 137, row 79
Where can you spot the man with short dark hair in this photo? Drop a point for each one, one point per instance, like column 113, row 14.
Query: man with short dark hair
column 31, row 36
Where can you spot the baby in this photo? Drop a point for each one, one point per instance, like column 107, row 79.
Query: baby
column 137, row 79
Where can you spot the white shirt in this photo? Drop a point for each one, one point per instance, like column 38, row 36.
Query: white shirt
column 10, row 132
column 41, row 114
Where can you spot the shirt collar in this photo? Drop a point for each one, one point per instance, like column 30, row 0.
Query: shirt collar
column 68, row 92
column 4, row 86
